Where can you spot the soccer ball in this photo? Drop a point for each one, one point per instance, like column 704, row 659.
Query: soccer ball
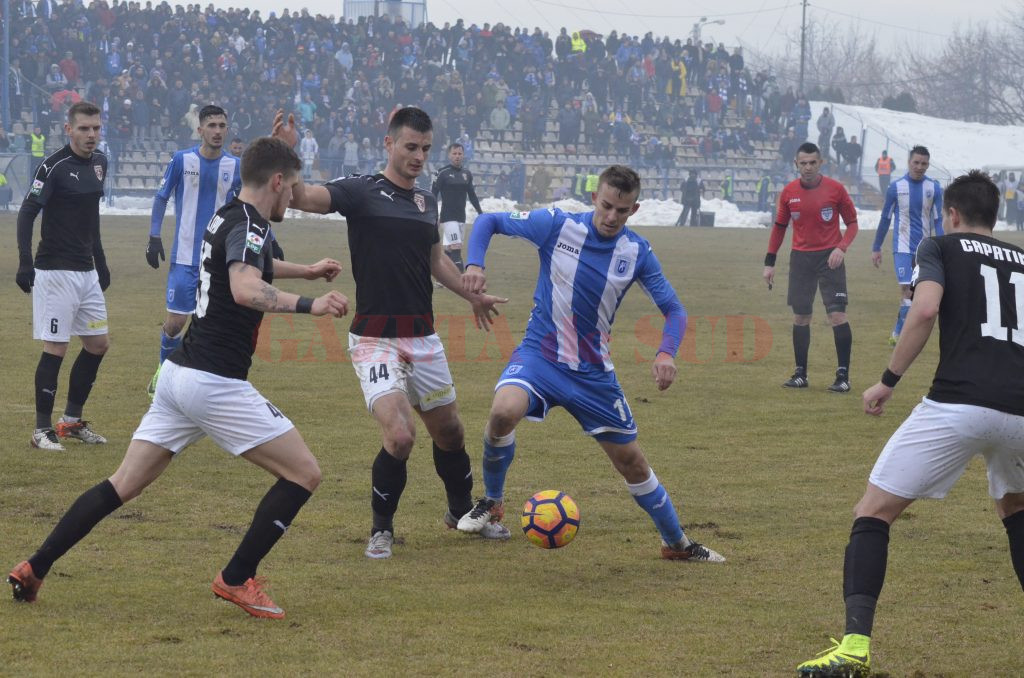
column 550, row 519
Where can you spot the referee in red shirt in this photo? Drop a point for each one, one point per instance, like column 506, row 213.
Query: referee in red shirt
column 815, row 203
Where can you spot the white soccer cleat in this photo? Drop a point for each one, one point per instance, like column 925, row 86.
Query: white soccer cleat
column 80, row 431
column 484, row 512
column 379, row 546
column 46, row 439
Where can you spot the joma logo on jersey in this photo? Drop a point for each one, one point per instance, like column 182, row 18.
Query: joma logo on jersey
column 568, row 248
column 191, row 173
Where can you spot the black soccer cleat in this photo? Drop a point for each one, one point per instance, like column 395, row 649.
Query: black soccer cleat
column 798, row 380
column 842, row 382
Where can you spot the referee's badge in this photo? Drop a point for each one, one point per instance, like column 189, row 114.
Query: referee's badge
column 420, row 202
column 99, row 171
column 826, row 213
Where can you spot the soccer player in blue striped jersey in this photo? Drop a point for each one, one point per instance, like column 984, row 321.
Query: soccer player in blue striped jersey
column 915, row 201
column 588, row 262
column 201, row 179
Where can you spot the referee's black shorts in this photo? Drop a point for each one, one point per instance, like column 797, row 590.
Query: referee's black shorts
column 809, row 271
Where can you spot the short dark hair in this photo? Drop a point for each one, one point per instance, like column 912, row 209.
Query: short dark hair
column 808, row 147
column 210, row 111
column 414, row 118
column 975, row 196
column 265, row 157
column 919, row 150
column 238, row 139
column 85, row 108
column 622, row 178
column 455, row 144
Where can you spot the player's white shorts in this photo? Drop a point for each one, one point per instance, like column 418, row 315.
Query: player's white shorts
column 66, row 303
column 191, row 403
column 930, row 450
column 452, row 233
column 416, row 366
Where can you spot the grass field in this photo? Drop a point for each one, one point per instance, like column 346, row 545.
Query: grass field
column 765, row 476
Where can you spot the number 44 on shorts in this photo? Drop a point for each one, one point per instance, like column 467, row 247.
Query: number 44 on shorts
column 378, row 372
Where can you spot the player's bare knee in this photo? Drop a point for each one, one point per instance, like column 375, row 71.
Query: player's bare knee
column 802, row 319
column 502, row 422
column 398, row 441
column 1009, row 504
column 837, row 318
column 309, row 475
column 451, row 435
column 97, row 345
column 174, row 325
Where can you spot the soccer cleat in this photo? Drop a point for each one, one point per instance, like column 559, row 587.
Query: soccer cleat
column 838, row 662
column 46, row 439
column 79, row 430
column 379, row 546
column 798, row 380
column 490, row 530
column 842, row 382
column 250, row 596
column 151, row 389
column 24, row 583
column 485, row 511
column 694, row 552
column 893, row 339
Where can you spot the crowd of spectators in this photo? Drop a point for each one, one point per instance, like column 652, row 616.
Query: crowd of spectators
column 151, row 66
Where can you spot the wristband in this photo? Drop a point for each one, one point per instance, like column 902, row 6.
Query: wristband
column 890, row 378
column 769, row 259
column 304, row 305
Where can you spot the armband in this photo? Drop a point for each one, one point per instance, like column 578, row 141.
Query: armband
column 304, row 305
column 769, row 259
column 890, row 378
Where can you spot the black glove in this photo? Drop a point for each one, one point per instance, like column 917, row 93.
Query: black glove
column 154, row 250
column 104, row 274
column 26, row 276
column 275, row 248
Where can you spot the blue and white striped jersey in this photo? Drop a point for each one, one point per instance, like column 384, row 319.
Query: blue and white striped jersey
column 917, row 207
column 582, row 280
column 200, row 187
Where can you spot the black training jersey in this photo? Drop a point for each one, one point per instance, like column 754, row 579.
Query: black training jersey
column 67, row 188
column 391, row 231
column 222, row 335
column 452, row 186
column 981, row 323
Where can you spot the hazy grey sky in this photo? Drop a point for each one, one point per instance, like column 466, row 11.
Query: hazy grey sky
column 758, row 24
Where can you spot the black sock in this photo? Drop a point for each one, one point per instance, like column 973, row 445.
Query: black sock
column 90, row 508
column 1015, row 532
column 389, row 476
column 801, row 344
column 456, row 257
column 864, row 572
column 844, row 344
column 46, row 388
column 83, row 374
column 456, row 473
column 273, row 516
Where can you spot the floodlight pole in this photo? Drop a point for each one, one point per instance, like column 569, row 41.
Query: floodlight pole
column 803, row 46
column 5, row 78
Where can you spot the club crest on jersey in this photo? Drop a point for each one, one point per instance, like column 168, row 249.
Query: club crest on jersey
column 99, row 171
column 513, row 369
column 224, row 176
column 621, row 266
column 826, row 213
column 421, row 204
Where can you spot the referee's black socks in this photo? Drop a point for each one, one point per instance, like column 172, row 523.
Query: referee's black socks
column 844, row 344
column 46, row 387
column 864, row 572
column 1015, row 532
column 273, row 516
column 801, row 344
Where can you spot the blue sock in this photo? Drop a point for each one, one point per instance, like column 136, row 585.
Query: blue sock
column 902, row 317
column 652, row 497
column 498, row 455
column 168, row 344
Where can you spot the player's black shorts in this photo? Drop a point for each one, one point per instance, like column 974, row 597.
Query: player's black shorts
column 809, row 271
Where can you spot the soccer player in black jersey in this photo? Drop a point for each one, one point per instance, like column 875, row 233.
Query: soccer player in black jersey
column 974, row 285
column 69, row 274
column 400, row 362
column 452, row 186
column 203, row 390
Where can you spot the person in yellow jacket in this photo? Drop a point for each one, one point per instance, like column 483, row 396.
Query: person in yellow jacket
column 38, row 147
column 579, row 45
column 677, row 83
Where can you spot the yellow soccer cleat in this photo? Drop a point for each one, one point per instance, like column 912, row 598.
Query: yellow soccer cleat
column 849, row 659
